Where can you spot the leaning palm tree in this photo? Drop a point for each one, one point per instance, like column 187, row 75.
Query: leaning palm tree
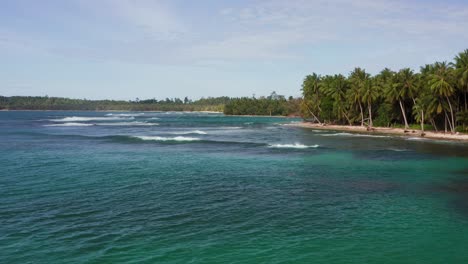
column 422, row 109
column 402, row 87
column 441, row 84
column 336, row 87
column 311, row 95
column 358, row 78
column 407, row 81
column 370, row 93
column 461, row 70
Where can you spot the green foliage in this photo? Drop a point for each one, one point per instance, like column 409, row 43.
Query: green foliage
column 437, row 94
column 384, row 115
column 273, row 105
column 58, row 103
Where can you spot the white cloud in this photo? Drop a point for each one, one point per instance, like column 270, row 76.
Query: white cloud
column 156, row 31
column 153, row 17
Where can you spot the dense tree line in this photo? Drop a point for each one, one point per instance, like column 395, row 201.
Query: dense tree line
column 436, row 95
column 58, row 103
column 273, row 105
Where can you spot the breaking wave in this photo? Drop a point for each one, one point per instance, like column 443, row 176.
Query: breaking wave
column 126, row 115
column 398, row 149
column 128, row 124
column 353, row 135
column 296, row 146
column 84, row 119
column 198, row 132
column 70, row 124
column 416, row 138
column 156, row 138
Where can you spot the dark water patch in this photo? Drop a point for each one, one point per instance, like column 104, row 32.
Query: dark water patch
column 391, row 154
column 457, row 191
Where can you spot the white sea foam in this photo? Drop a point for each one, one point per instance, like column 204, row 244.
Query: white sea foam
column 70, row 124
column 199, row 132
column 296, row 146
column 229, row 127
column 156, row 138
column 398, row 150
column 353, row 135
column 155, row 118
column 84, row 119
column 337, row 134
column 128, row 124
column 416, row 138
column 126, row 115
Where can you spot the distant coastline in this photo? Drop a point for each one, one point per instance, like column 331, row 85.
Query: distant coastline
column 386, row 131
column 273, row 105
column 110, row 110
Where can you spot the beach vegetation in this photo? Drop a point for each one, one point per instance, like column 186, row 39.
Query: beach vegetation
column 436, row 94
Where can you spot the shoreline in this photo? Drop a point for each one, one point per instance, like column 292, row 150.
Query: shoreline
column 144, row 111
column 432, row 135
column 35, row 110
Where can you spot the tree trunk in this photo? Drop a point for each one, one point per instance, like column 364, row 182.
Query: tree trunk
column 347, row 118
column 466, row 104
column 434, row 124
column 370, row 115
column 447, row 120
column 312, row 113
column 362, row 114
column 451, row 115
column 422, row 122
column 404, row 114
column 445, row 123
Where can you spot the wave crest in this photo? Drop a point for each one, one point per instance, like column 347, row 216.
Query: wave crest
column 128, row 124
column 295, row 146
column 198, row 132
column 84, row 119
column 125, row 115
column 156, row 138
column 353, row 135
column 70, row 124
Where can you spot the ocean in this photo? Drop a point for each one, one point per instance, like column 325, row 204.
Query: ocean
column 172, row 187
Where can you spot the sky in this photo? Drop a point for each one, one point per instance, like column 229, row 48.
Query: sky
column 124, row 49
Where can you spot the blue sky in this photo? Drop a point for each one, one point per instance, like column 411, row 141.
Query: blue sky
column 123, row 49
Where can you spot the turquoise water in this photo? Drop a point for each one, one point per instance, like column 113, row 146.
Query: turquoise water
column 96, row 187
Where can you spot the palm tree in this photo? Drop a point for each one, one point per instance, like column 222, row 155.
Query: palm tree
column 311, row 95
column 358, row 78
column 461, row 70
column 336, row 87
column 441, row 84
column 402, row 87
column 423, row 108
column 407, row 81
column 370, row 93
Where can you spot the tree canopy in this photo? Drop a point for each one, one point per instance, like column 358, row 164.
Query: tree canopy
column 436, row 94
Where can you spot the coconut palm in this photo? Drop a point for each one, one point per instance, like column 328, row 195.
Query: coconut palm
column 461, row 70
column 358, row 78
column 423, row 108
column 311, row 95
column 407, row 82
column 440, row 83
column 370, row 92
column 402, row 87
column 336, row 87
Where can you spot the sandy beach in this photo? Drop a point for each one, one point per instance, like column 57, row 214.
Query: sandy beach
column 385, row 130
